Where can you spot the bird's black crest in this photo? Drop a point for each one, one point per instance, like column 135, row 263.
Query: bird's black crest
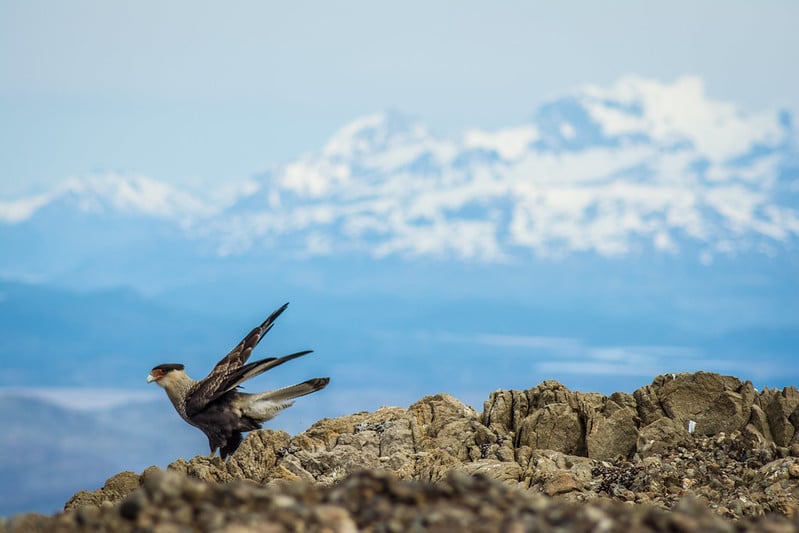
column 169, row 366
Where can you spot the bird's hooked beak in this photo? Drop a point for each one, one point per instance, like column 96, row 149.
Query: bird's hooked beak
column 150, row 378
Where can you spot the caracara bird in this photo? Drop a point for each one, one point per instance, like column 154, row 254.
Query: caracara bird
column 215, row 405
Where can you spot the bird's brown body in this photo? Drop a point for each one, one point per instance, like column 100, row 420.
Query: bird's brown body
column 214, row 404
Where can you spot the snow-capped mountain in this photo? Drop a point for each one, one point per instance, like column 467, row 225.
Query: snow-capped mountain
column 604, row 170
column 112, row 194
column 639, row 166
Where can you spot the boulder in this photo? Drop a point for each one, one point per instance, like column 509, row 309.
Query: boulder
column 660, row 436
column 504, row 411
column 779, row 406
column 114, row 489
column 611, row 432
column 713, row 402
column 555, row 426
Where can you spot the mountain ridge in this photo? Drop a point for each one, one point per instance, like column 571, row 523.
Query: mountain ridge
column 640, row 166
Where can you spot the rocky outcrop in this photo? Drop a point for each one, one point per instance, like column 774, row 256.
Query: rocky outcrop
column 715, row 404
column 781, row 410
column 552, row 417
column 699, row 435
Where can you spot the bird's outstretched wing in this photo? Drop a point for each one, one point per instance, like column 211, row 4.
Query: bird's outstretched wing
column 218, row 380
column 251, row 370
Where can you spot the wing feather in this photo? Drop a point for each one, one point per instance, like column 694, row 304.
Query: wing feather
column 214, row 384
column 253, row 369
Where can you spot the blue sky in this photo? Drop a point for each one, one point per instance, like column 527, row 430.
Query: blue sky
column 199, row 92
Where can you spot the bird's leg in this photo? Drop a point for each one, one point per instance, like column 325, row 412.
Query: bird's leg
column 213, row 451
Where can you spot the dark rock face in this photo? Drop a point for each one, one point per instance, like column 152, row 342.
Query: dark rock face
column 542, row 458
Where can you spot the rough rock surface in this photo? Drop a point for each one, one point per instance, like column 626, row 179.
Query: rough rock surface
column 543, row 458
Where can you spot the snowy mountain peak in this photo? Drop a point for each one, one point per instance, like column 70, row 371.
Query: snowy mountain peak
column 134, row 194
column 113, row 194
column 375, row 133
column 637, row 167
column 508, row 143
column 669, row 114
column 613, row 171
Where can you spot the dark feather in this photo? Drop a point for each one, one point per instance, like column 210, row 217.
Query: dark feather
column 214, row 384
column 167, row 367
column 255, row 368
column 222, row 425
column 295, row 391
column 214, row 405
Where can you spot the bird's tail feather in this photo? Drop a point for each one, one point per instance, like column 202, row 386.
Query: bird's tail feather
column 294, row 391
column 264, row 406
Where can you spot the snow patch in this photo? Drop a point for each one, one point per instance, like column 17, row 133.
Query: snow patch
column 509, row 144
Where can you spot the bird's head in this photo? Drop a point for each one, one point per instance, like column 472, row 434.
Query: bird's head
column 166, row 373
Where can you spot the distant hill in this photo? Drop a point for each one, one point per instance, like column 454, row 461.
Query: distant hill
column 48, row 450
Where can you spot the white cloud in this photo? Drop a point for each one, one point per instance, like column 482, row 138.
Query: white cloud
column 561, row 345
column 567, row 355
column 632, row 361
column 594, row 368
